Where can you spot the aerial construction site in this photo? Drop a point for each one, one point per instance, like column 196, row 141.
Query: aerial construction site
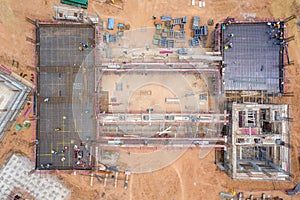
column 150, row 100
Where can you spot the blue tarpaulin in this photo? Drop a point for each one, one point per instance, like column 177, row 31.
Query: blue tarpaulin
column 111, row 23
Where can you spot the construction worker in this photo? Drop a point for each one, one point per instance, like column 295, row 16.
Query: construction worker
column 262, row 68
column 275, row 35
column 278, row 26
column 233, row 192
column 48, row 165
column 53, row 151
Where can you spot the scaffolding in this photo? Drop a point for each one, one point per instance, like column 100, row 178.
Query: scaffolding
column 258, row 142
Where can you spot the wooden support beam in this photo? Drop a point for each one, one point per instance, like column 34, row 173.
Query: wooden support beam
column 289, row 38
column 289, row 63
column 28, row 39
column 31, row 21
column 289, row 18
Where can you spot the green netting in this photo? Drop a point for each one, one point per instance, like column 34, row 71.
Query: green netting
column 78, row 3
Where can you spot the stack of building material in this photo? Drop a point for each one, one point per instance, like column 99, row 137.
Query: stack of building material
column 182, row 51
column 163, row 42
column 205, row 30
column 202, row 30
column 172, row 34
column 182, row 34
column 166, row 18
column 201, row 4
column 169, row 32
column 184, row 20
column 176, row 21
column 196, row 22
column 170, row 43
column 110, row 38
column 194, row 42
column 155, row 41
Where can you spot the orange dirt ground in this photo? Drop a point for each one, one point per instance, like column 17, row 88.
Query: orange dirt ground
column 189, row 177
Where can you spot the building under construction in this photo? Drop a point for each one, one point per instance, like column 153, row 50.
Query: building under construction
column 253, row 55
column 60, row 51
column 258, row 142
column 96, row 96
column 12, row 98
column 258, row 146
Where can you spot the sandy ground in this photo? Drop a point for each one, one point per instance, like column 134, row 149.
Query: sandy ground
column 189, row 177
column 140, row 92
